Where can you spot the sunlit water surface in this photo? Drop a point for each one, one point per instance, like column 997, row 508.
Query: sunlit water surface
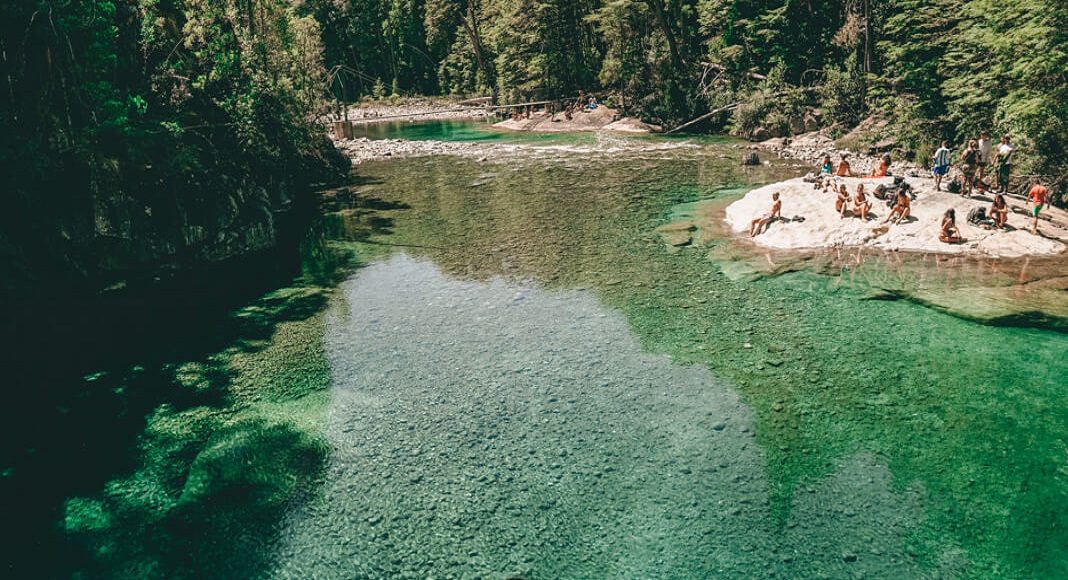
column 524, row 380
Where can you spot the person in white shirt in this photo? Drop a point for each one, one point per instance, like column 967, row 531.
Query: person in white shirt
column 985, row 151
column 941, row 162
column 1003, row 162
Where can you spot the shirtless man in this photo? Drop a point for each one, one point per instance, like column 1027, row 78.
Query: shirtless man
column 861, row 203
column 1037, row 197
column 842, row 203
column 757, row 225
column 903, row 208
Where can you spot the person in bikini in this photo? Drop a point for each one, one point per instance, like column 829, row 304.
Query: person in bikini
column 843, row 167
column 884, row 166
column 902, row 209
column 999, row 211
column 950, row 234
column 757, row 225
column 826, row 167
column 842, row 203
column 861, row 203
column 1037, row 197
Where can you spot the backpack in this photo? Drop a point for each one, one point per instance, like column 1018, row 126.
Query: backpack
column 954, row 186
column 977, row 215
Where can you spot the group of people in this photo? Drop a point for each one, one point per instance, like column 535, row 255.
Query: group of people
column 975, row 161
column 978, row 155
column 828, row 170
column 998, row 213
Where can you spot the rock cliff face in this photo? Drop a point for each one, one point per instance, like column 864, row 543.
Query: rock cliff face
column 94, row 223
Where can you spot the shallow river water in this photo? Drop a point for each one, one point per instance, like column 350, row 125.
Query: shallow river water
column 518, row 378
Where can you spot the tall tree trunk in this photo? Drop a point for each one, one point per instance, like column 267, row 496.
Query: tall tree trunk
column 660, row 12
column 470, row 24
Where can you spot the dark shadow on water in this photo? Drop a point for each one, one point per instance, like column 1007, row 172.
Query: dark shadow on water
column 82, row 381
column 225, row 518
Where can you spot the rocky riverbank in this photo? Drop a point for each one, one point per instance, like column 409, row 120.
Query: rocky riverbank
column 823, row 227
column 414, row 109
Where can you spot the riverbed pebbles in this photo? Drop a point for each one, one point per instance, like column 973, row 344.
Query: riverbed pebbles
column 489, row 430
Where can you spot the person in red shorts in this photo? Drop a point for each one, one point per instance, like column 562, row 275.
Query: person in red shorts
column 1037, row 197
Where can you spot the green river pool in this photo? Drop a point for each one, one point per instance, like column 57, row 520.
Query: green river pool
column 497, row 368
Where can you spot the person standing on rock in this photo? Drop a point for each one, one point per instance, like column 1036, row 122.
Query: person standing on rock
column 985, row 151
column 1003, row 162
column 757, row 225
column 1037, row 197
column 940, row 164
column 969, row 164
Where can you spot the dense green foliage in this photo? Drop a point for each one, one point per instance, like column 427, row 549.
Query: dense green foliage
column 174, row 101
column 172, row 104
column 937, row 69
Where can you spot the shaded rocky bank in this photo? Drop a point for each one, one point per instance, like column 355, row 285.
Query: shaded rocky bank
column 80, row 225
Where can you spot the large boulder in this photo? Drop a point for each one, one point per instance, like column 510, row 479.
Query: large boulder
column 760, row 134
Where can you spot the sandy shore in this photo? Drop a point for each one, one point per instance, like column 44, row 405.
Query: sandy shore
column 822, row 226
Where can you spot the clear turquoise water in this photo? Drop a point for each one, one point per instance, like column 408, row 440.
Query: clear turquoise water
column 520, row 379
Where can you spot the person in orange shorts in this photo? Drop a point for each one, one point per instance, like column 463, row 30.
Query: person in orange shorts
column 1037, row 197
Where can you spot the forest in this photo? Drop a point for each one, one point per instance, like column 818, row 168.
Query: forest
column 935, row 69
column 172, row 101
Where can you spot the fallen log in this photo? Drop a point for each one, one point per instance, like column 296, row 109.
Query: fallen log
column 733, row 106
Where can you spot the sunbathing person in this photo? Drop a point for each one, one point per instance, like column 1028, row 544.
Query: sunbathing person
column 842, row 203
column 826, row 168
column 950, row 234
column 861, row 203
column 999, row 211
column 884, row 166
column 902, row 209
column 843, row 167
column 758, row 225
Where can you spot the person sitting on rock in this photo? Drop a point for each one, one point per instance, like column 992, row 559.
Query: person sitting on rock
column 861, row 203
column 902, row 209
column 843, row 167
column 842, row 203
column 949, row 233
column 826, row 167
column 884, row 166
column 999, row 211
column 757, row 225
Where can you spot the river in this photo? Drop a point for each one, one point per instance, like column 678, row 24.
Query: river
column 497, row 368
